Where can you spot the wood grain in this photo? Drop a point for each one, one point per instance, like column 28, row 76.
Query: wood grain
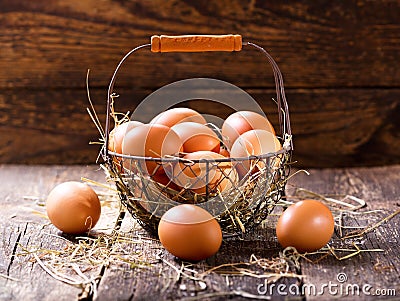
column 23, row 189
column 339, row 60
column 354, row 43
column 141, row 284
column 379, row 270
column 326, row 132
column 23, row 193
column 376, row 271
column 28, row 281
column 375, row 185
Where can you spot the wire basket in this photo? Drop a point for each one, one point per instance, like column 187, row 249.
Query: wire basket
column 239, row 203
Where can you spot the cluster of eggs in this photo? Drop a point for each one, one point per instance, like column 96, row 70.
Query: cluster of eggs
column 186, row 230
column 183, row 132
column 189, row 231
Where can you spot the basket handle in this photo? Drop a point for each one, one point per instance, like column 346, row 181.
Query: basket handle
column 199, row 43
column 196, row 43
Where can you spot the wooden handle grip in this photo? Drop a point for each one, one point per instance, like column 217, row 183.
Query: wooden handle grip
column 196, row 43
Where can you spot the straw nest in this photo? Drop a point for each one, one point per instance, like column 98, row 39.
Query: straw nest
column 238, row 209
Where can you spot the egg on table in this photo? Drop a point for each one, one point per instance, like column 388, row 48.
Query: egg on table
column 307, row 225
column 190, row 232
column 73, row 207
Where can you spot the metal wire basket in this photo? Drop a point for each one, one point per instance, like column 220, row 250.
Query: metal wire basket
column 244, row 202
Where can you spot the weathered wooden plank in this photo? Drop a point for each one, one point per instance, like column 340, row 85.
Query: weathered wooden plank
column 367, row 274
column 346, row 44
column 327, row 129
column 165, row 283
column 23, row 191
column 28, row 281
column 378, row 186
column 362, row 269
column 18, row 181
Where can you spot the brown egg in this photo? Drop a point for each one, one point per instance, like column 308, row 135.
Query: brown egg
column 73, row 207
column 306, row 225
column 241, row 122
column 150, row 140
column 189, row 232
column 224, row 152
column 196, row 137
column 221, row 176
column 173, row 116
column 118, row 133
column 161, row 177
column 253, row 143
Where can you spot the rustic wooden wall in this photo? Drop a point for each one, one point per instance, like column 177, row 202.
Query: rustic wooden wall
column 340, row 61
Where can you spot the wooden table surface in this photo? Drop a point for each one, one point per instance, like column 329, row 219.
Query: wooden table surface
column 38, row 262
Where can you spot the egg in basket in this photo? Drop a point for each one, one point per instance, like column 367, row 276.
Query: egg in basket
column 237, row 172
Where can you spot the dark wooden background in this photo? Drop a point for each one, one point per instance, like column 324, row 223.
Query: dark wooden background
column 340, row 61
